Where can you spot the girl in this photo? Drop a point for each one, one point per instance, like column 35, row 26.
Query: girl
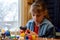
column 40, row 23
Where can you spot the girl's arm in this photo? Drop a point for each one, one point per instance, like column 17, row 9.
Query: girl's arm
column 51, row 33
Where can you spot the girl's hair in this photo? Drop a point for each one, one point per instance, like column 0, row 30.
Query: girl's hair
column 39, row 7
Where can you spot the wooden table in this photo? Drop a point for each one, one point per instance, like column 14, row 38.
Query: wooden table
column 40, row 38
column 47, row 38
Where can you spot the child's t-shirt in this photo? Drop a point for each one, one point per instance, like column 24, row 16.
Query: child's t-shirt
column 36, row 28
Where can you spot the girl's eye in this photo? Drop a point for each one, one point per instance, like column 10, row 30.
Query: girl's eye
column 38, row 15
column 33, row 14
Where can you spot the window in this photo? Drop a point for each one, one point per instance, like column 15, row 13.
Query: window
column 9, row 14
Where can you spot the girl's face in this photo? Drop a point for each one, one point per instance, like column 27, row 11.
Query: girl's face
column 38, row 17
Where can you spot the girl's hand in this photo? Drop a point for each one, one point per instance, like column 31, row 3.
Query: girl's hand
column 31, row 33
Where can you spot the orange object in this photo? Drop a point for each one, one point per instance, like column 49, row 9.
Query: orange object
column 33, row 37
column 22, row 34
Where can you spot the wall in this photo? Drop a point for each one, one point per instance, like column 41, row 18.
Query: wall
column 25, row 12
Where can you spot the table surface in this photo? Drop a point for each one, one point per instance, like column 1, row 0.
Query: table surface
column 47, row 39
column 41, row 39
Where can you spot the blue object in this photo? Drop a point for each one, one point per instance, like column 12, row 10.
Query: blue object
column 7, row 33
column 17, row 36
column 26, row 38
